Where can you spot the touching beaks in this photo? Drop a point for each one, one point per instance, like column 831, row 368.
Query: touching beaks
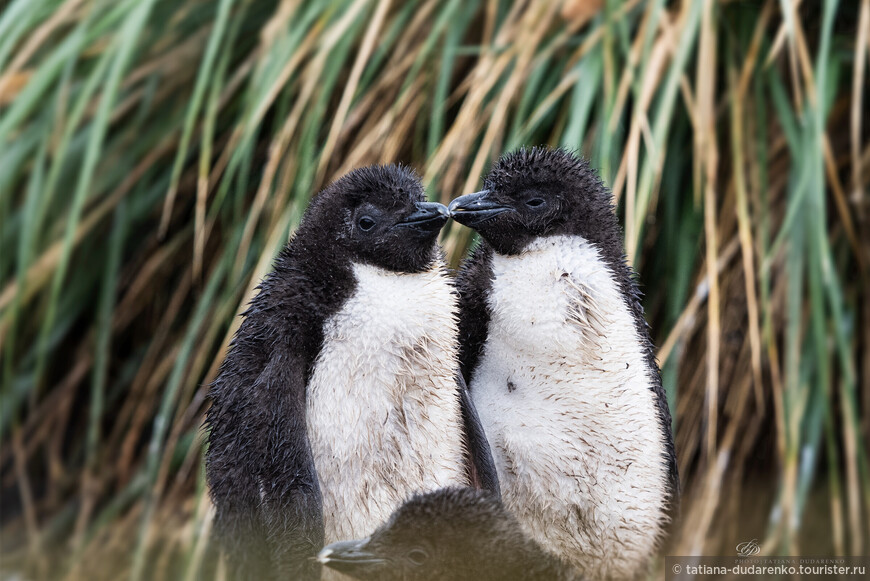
column 427, row 217
column 473, row 209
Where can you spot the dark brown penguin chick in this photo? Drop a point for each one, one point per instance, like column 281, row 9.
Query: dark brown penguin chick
column 459, row 534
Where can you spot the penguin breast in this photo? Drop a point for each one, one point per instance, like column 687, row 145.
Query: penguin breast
column 563, row 390
column 382, row 410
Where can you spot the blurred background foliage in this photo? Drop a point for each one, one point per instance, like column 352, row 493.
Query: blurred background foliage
column 155, row 155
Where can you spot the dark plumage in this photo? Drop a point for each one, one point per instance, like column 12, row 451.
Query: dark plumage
column 260, row 466
column 551, row 192
column 555, row 203
column 459, row 534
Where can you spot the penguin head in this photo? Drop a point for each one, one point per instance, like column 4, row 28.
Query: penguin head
column 375, row 215
column 453, row 533
column 539, row 192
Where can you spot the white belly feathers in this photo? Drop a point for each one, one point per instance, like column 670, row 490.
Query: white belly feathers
column 563, row 391
column 383, row 412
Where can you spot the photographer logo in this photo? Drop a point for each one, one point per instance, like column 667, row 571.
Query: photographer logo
column 749, row 548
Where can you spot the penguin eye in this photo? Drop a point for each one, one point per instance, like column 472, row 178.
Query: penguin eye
column 418, row 556
column 535, row 202
column 366, row 223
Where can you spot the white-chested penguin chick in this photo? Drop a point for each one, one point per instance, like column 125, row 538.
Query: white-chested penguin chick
column 456, row 534
column 340, row 396
column 558, row 359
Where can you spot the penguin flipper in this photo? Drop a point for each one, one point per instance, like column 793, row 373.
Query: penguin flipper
column 292, row 505
column 259, row 464
column 473, row 283
column 481, row 465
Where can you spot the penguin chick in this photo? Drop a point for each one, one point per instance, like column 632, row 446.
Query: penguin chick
column 459, row 534
column 339, row 397
column 559, row 363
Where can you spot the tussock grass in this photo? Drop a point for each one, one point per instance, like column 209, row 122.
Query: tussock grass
column 155, row 155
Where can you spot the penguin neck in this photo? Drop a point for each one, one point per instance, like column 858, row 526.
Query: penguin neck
column 325, row 269
column 527, row 561
column 565, row 282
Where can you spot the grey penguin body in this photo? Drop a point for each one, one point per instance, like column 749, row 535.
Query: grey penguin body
column 459, row 534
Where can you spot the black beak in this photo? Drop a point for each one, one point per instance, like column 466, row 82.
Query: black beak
column 473, row 209
column 428, row 217
column 351, row 558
